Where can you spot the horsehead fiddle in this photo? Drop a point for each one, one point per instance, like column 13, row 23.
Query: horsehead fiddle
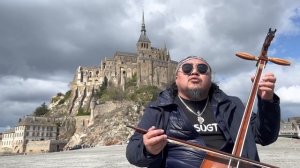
column 241, row 136
column 218, row 159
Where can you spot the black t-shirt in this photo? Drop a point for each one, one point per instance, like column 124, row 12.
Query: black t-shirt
column 209, row 129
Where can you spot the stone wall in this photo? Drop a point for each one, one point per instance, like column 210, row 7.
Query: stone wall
column 45, row 146
column 37, row 146
column 82, row 121
column 106, row 107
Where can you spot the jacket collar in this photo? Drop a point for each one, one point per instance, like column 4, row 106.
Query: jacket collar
column 166, row 97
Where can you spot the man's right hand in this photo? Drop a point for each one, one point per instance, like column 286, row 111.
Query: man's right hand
column 155, row 140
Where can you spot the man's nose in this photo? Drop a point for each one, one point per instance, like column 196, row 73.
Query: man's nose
column 194, row 71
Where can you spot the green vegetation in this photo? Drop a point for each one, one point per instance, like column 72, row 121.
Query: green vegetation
column 55, row 99
column 59, row 95
column 102, row 88
column 112, row 94
column 41, row 110
column 67, row 94
column 82, row 112
column 62, row 101
column 142, row 95
column 131, row 82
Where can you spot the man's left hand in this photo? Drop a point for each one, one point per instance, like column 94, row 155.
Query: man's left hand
column 266, row 86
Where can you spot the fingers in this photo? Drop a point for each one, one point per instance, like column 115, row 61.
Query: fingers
column 266, row 86
column 154, row 140
column 269, row 77
column 267, row 82
column 154, row 136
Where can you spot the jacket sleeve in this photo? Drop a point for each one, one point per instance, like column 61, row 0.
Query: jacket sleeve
column 135, row 152
column 266, row 122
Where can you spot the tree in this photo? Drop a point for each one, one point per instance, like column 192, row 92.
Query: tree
column 41, row 110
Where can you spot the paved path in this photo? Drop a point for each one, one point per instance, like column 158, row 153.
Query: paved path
column 284, row 153
column 106, row 156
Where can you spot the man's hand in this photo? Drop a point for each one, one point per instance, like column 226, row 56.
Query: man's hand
column 266, row 86
column 155, row 140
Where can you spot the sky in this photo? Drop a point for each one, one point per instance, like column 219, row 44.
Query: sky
column 42, row 42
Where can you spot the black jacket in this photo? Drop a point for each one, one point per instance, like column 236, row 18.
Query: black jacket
column 228, row 111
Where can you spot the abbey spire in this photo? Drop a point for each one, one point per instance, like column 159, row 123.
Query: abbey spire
column 143, row 42
column 143, row 30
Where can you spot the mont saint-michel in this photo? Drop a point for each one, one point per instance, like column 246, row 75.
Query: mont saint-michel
column 94, row 110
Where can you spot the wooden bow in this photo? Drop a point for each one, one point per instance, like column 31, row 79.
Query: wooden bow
column 213, row 152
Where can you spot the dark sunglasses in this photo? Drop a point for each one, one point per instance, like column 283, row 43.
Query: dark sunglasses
column 188, row 68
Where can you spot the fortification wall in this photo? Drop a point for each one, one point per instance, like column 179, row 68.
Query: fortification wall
column 45, row 146
column 82, row 121
column 38, row 146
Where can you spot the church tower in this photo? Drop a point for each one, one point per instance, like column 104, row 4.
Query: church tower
column 143, row 44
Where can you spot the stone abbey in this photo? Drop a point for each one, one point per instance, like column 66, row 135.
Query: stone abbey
column 149, row 65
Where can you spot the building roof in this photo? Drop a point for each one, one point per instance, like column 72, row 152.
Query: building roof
column 39, row 121
column 12, row 130
column 144, row 38
column 121, row 53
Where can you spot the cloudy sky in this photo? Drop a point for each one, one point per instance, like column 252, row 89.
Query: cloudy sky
column 42, row 42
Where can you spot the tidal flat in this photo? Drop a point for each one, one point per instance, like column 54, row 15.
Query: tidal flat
column 283, row 153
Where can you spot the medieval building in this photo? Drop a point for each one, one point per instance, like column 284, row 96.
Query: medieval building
column 148, row 65
column 32, row 134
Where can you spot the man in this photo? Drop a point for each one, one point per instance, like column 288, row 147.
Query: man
column 196, row 110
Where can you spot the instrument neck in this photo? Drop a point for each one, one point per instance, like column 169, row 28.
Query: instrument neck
column 241, row 136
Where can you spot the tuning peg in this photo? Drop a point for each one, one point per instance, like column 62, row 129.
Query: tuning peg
column 246, row 56
column 279, row 61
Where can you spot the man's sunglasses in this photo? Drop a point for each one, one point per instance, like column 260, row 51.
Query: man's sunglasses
column 188, row 68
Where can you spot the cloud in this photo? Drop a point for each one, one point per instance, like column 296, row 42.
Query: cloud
column 287, row 85
column 19, row 97
column 18, row 89
column 58, row 35
column 288, row 81
column 290, row 94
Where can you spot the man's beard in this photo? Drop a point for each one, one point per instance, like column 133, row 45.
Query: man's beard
column 194, row 94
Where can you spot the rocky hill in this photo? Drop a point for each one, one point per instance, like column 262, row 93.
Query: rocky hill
column 108, row 127
column 103, row 120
